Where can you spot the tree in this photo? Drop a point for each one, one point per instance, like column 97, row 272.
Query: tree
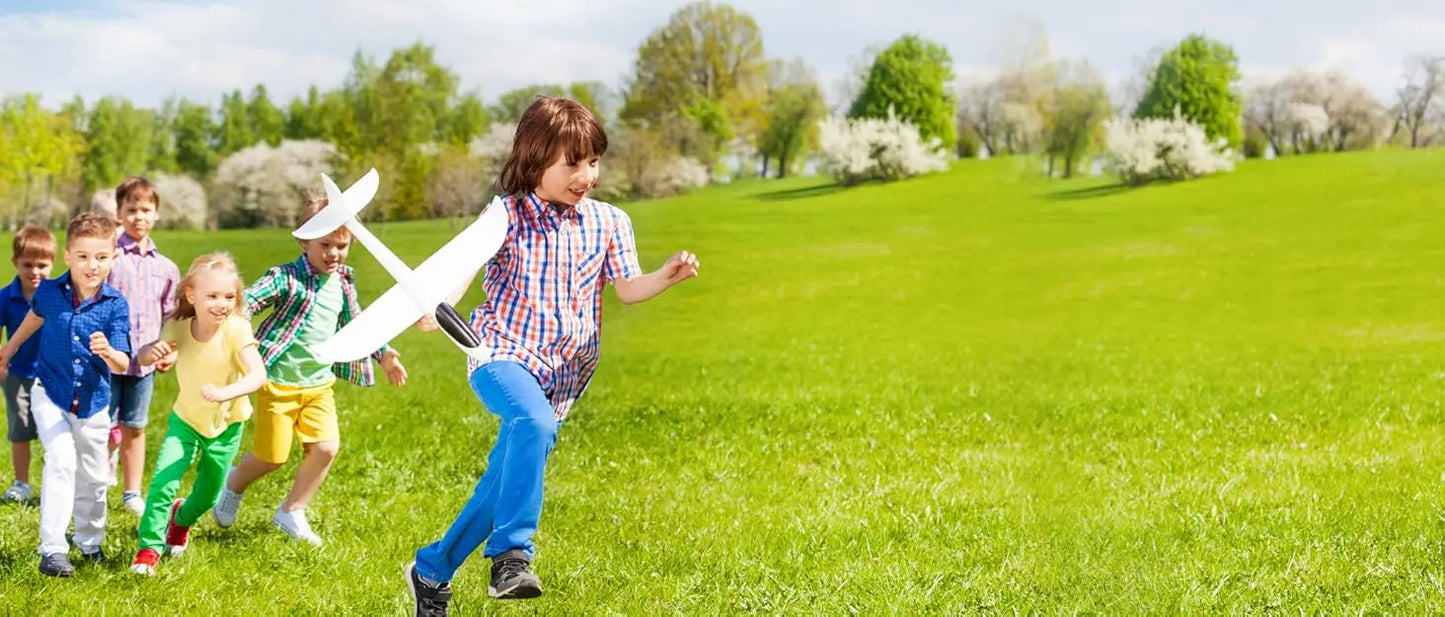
column 119, row 138
column 465, row 120
column 1076, row 116
column 1419, row 105
column 512, row 103
column 195, row 153
column 705, row 66
column 35, row 146
column 268, row 123
column 303, row 116
column 795, row 105
column 912, row 77
column 162, row 156
column 1287, row 113
column 235, row 130
column 456, row 185
column 1198, row 78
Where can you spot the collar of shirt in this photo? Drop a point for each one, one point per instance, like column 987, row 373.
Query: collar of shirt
column 303, row 265
column 131, row 245
column 67, row 289
column 538, row 209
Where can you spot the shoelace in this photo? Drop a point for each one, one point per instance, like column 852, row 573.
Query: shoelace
column 507, row 568
column 436, row 602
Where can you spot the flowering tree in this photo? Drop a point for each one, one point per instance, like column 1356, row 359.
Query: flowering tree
column 265, row 186
column 861, row 149
column 1142, row 150
column 183, row 201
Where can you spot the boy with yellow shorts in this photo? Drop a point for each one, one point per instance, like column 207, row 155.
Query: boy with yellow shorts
column 311, row 298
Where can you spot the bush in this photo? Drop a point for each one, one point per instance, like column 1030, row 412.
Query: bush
column 1142, row 150
column 265, row 186
column 183, row 201
column 860, row 149
column 678, row 175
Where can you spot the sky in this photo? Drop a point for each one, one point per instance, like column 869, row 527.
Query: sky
column 147, row 50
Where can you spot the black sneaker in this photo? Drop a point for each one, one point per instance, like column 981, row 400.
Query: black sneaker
column 512, row 577
column 56, row 564
column 431, row 600
column 96, row 557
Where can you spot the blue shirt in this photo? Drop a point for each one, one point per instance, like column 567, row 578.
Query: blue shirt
column 67, row 368
column 13, row 309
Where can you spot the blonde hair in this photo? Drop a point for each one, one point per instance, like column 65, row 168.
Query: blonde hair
column 219, row 262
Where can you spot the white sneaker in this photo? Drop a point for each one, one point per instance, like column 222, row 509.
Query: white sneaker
column 226, row 508
column 135, row 503
column 19, row 492
column 295, row 525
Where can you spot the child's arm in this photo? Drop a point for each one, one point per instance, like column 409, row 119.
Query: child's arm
column 153, row 352
column 17, row 338
column 117, row 360
column 680, row 267
column 264, row 291
column 254, row 377
column 113, row 345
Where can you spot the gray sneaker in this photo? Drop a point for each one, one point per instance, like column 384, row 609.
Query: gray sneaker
column 19, row 492
column 512, row 577
column 56, row 564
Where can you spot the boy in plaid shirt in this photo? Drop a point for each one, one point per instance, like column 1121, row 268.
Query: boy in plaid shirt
column 311, row 298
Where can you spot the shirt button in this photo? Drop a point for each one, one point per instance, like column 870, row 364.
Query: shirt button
column 75, row 338
column 77, row 360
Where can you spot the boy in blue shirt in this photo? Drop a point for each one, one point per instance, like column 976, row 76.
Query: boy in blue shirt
column 84, row 330
column 32, row 254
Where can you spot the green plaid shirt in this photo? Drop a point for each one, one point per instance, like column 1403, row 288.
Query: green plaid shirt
column 291, row 288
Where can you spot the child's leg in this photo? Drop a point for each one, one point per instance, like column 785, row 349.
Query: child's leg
column 134, row 414
column 216, row 457
column 178, row 449
column 277, row 409
column 507, row 503
column 91, row 479
column 21, row 425
column 57, row 487
column 321, row 438
column 20, row 458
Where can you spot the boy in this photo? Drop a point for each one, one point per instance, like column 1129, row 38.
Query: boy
column 148, row 280
column 84, row 330
column 313, row 297
column 32, row 252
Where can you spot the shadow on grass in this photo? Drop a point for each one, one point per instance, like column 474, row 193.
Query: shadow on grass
column 1092, row 192
column 799, row 193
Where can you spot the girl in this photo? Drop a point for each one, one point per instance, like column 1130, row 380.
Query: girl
column 217, row 365
column 540, row 323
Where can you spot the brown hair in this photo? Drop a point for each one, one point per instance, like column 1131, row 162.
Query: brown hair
column 90, row 225
column 313, row 204
column 218, row 262
column 551, row 125
column 135, row 190
column 33, row 242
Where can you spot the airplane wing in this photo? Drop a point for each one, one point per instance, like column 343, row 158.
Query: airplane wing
column 396, row 310
column 340, row 207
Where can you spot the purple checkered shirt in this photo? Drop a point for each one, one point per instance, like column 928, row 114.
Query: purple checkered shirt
column 149, row 281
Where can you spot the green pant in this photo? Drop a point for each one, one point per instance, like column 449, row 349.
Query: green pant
column 180, row 448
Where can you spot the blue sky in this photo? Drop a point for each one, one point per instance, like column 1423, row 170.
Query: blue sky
column 149, row 49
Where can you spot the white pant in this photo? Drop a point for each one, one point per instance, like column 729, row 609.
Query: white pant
column 75, row 475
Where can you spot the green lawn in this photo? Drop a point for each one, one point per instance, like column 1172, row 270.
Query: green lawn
column 973, row 392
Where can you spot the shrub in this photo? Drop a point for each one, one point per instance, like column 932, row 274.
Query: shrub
column 1142, row 150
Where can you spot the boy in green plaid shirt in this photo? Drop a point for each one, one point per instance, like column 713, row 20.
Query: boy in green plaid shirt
column 311, row 298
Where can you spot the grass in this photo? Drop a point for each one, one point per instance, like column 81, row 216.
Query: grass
column 968, row 393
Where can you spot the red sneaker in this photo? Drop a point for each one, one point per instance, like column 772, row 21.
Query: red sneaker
column 145, row 562
column 177, row 537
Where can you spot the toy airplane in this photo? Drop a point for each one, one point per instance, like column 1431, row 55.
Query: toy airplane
column 416, row 293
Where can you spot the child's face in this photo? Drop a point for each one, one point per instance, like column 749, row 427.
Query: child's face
column 89, row 261
column 327, row 254
column 138, row 217
column 567, row 182
column 31, row 271
column 214, row 296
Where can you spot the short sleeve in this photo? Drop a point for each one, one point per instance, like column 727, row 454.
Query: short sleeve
column 170, row 330
column 239, row 336
column 118, row 328
column 39, row 303
column 621, row 249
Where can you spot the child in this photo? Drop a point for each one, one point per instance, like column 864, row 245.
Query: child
column 214, row 346
column 540, row 322
column 32, row 252
column 312, row 298
column 84, row 329
column 148, row 280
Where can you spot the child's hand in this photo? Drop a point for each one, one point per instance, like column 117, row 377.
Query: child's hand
column 164, row 364
column 99, row 345
column 161, row 352
column 395, row 372
column 213, row 393
column 427, row 323
column 680, row 267
column 5, row 353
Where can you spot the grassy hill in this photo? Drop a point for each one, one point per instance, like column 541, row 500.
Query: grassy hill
column 972, row 392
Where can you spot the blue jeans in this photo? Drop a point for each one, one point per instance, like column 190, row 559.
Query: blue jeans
column 507, row 503
column 130, row 399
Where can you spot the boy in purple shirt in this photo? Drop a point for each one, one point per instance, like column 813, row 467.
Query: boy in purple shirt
column 32, row 254
column 148, row 280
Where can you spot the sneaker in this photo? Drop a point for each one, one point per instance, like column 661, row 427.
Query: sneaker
column 512, row 577
column 226, row 508
column 134, row 502
column 19, row 492
column 56, row 564
column 97, row 556
column 431, row 600
column 295, row 525
column 177, row 537
column 145, row 562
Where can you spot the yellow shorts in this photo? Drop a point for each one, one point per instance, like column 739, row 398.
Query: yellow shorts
column 283, row 411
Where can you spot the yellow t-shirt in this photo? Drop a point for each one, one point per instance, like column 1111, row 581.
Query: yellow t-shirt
column 216, row 361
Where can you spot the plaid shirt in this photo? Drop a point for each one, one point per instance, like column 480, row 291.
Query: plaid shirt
column 544, row 291
column 291, row 288
column 149, row 281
